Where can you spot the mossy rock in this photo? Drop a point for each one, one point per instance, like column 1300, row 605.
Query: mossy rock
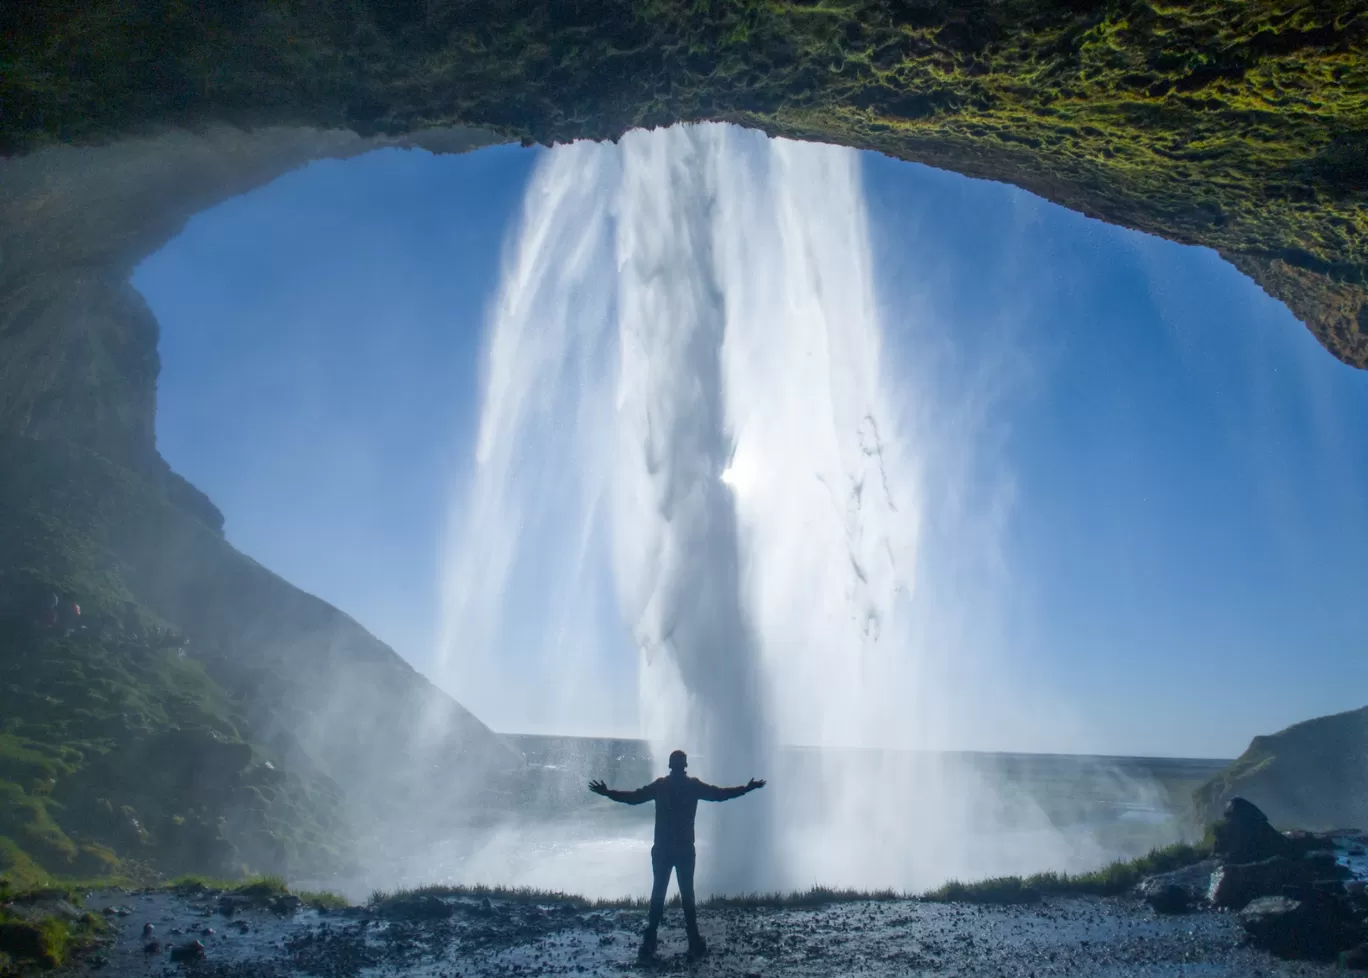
column 116, row 745
column 45, row 931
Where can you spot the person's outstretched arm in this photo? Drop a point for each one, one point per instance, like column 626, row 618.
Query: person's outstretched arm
column 643, row 794
column 711, row 792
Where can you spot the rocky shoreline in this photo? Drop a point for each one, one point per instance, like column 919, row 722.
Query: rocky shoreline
column 436, row 937
column 1297, row 894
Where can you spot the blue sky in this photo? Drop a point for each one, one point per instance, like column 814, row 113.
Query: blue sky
column 1188, row 540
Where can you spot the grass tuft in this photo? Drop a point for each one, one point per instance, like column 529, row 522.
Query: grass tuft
column 518, row 894
column 323, row 900
column 260, row 886
column 1117, row 878
column 45, row 938
column 815, row 897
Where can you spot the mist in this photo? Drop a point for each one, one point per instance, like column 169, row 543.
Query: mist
column 824, row 467
column 688, row 417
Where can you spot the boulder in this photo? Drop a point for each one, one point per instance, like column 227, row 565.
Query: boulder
column 194, row 951
column 1312, row 929
column 286, row 903
column 418, row 906
column 1355, row 959
column 1243, row 835
column 1169, row 899
column 230, row 903
column 1301, row 840
column 1180, row 890
column 1236, row 884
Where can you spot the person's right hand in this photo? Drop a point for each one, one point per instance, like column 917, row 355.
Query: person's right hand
column 753, row 784
column 598, row 788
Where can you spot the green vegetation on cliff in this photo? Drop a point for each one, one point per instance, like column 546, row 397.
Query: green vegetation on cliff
column 200, row 715
column 119, row 753
column 1238, row 124
column 1313, row 776
column 43, row 927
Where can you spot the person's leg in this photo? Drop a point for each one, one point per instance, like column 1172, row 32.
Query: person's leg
column 684, row 869
column 660, row 870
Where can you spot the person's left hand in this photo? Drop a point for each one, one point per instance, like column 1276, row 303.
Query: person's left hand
column 753, row 784
column 598, row 788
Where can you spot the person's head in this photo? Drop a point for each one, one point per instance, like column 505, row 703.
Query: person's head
column 678, row 761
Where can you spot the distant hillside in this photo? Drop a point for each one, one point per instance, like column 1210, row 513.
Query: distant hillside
column 201, row 714
column 1313, row 775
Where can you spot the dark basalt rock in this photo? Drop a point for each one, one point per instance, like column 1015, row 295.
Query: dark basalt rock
column 1179, row 891
column 1243, row 835
column 1236, row 884
column 1316, row 929
column 194, row 951
column 1170, row 899
column 1355, row 959
column 420, row 907
column 286, row 903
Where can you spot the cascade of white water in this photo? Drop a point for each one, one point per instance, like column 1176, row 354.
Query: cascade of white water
column 676, row 542
column 735, row 459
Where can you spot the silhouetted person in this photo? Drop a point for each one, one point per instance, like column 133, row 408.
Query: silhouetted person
column 676, row 798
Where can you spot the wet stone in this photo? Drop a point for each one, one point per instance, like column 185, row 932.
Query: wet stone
column 188, row 952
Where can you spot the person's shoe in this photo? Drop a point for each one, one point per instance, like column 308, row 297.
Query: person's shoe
column 697, row 946
column 648, row 947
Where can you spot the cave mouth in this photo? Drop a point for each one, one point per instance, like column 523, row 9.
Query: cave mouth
column 1115, row 464
column 1129, row 466
column 1134, row 404
column 1132, row 495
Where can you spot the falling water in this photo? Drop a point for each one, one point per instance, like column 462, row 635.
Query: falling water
column 685, row 393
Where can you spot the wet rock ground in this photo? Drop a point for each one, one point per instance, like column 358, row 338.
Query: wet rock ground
column 463, row 937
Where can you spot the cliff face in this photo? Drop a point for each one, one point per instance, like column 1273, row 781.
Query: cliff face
column 1313, row 775
column 78, row 346
column 201, row 714
column 284, row 728
column 1241, row 125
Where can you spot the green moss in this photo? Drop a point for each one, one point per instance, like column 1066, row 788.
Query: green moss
column 48, row 939
column 115, row 745
column 251, row 886
column 261, row 887
column 18, row 870
column 816, row 896
column 1238, row 124
column 323, row 900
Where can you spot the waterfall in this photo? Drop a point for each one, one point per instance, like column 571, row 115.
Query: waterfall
column 686, row 419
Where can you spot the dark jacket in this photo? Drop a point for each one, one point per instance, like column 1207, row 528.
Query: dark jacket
column 676, row 800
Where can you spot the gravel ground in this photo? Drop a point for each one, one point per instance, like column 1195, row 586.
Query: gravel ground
column 432, row 938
